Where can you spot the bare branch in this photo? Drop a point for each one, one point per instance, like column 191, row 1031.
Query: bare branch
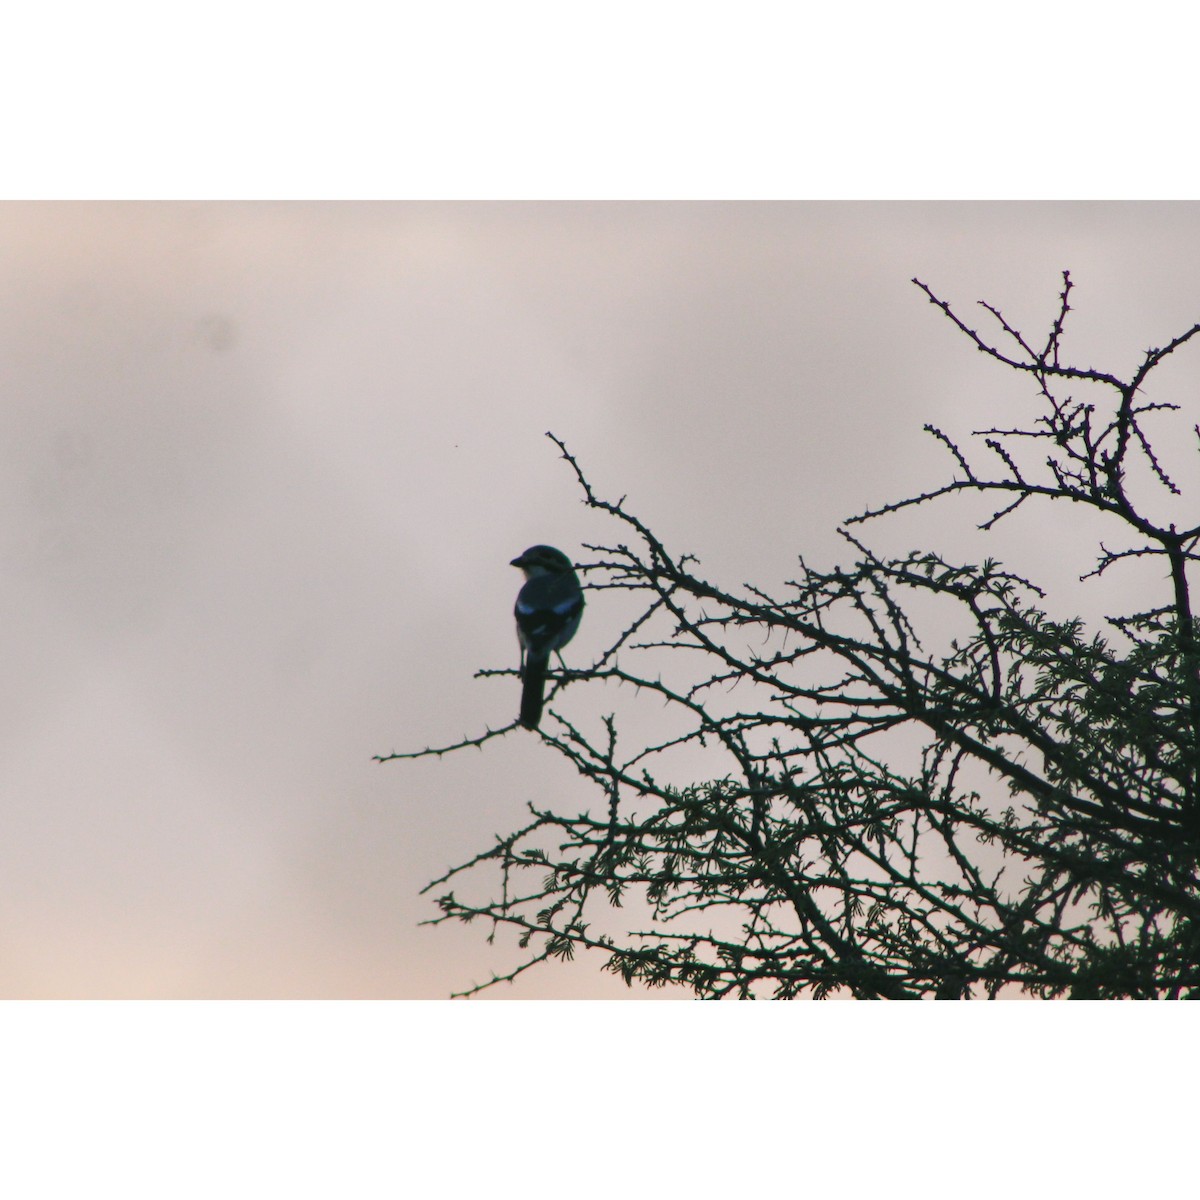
column 920, row 784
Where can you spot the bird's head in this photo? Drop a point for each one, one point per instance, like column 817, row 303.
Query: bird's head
column 542, row 560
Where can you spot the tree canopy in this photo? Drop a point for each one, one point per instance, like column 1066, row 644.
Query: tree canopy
column 918, row 780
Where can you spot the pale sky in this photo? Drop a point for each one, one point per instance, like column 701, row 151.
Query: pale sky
column 264, row 467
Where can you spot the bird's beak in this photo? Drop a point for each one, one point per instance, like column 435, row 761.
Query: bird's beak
column 517, row 562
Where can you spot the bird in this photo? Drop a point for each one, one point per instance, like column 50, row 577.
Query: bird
column 549, row 607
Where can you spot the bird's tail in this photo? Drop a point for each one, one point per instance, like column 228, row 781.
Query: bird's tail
column 533, row 690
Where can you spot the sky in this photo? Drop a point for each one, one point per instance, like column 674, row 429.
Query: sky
column 263, row 467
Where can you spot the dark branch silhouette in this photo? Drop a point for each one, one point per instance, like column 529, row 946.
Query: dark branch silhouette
column 922, row 784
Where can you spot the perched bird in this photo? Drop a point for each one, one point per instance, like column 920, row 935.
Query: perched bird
column 549, row 606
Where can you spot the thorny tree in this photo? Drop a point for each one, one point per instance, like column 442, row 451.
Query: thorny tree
column 1017, row 810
